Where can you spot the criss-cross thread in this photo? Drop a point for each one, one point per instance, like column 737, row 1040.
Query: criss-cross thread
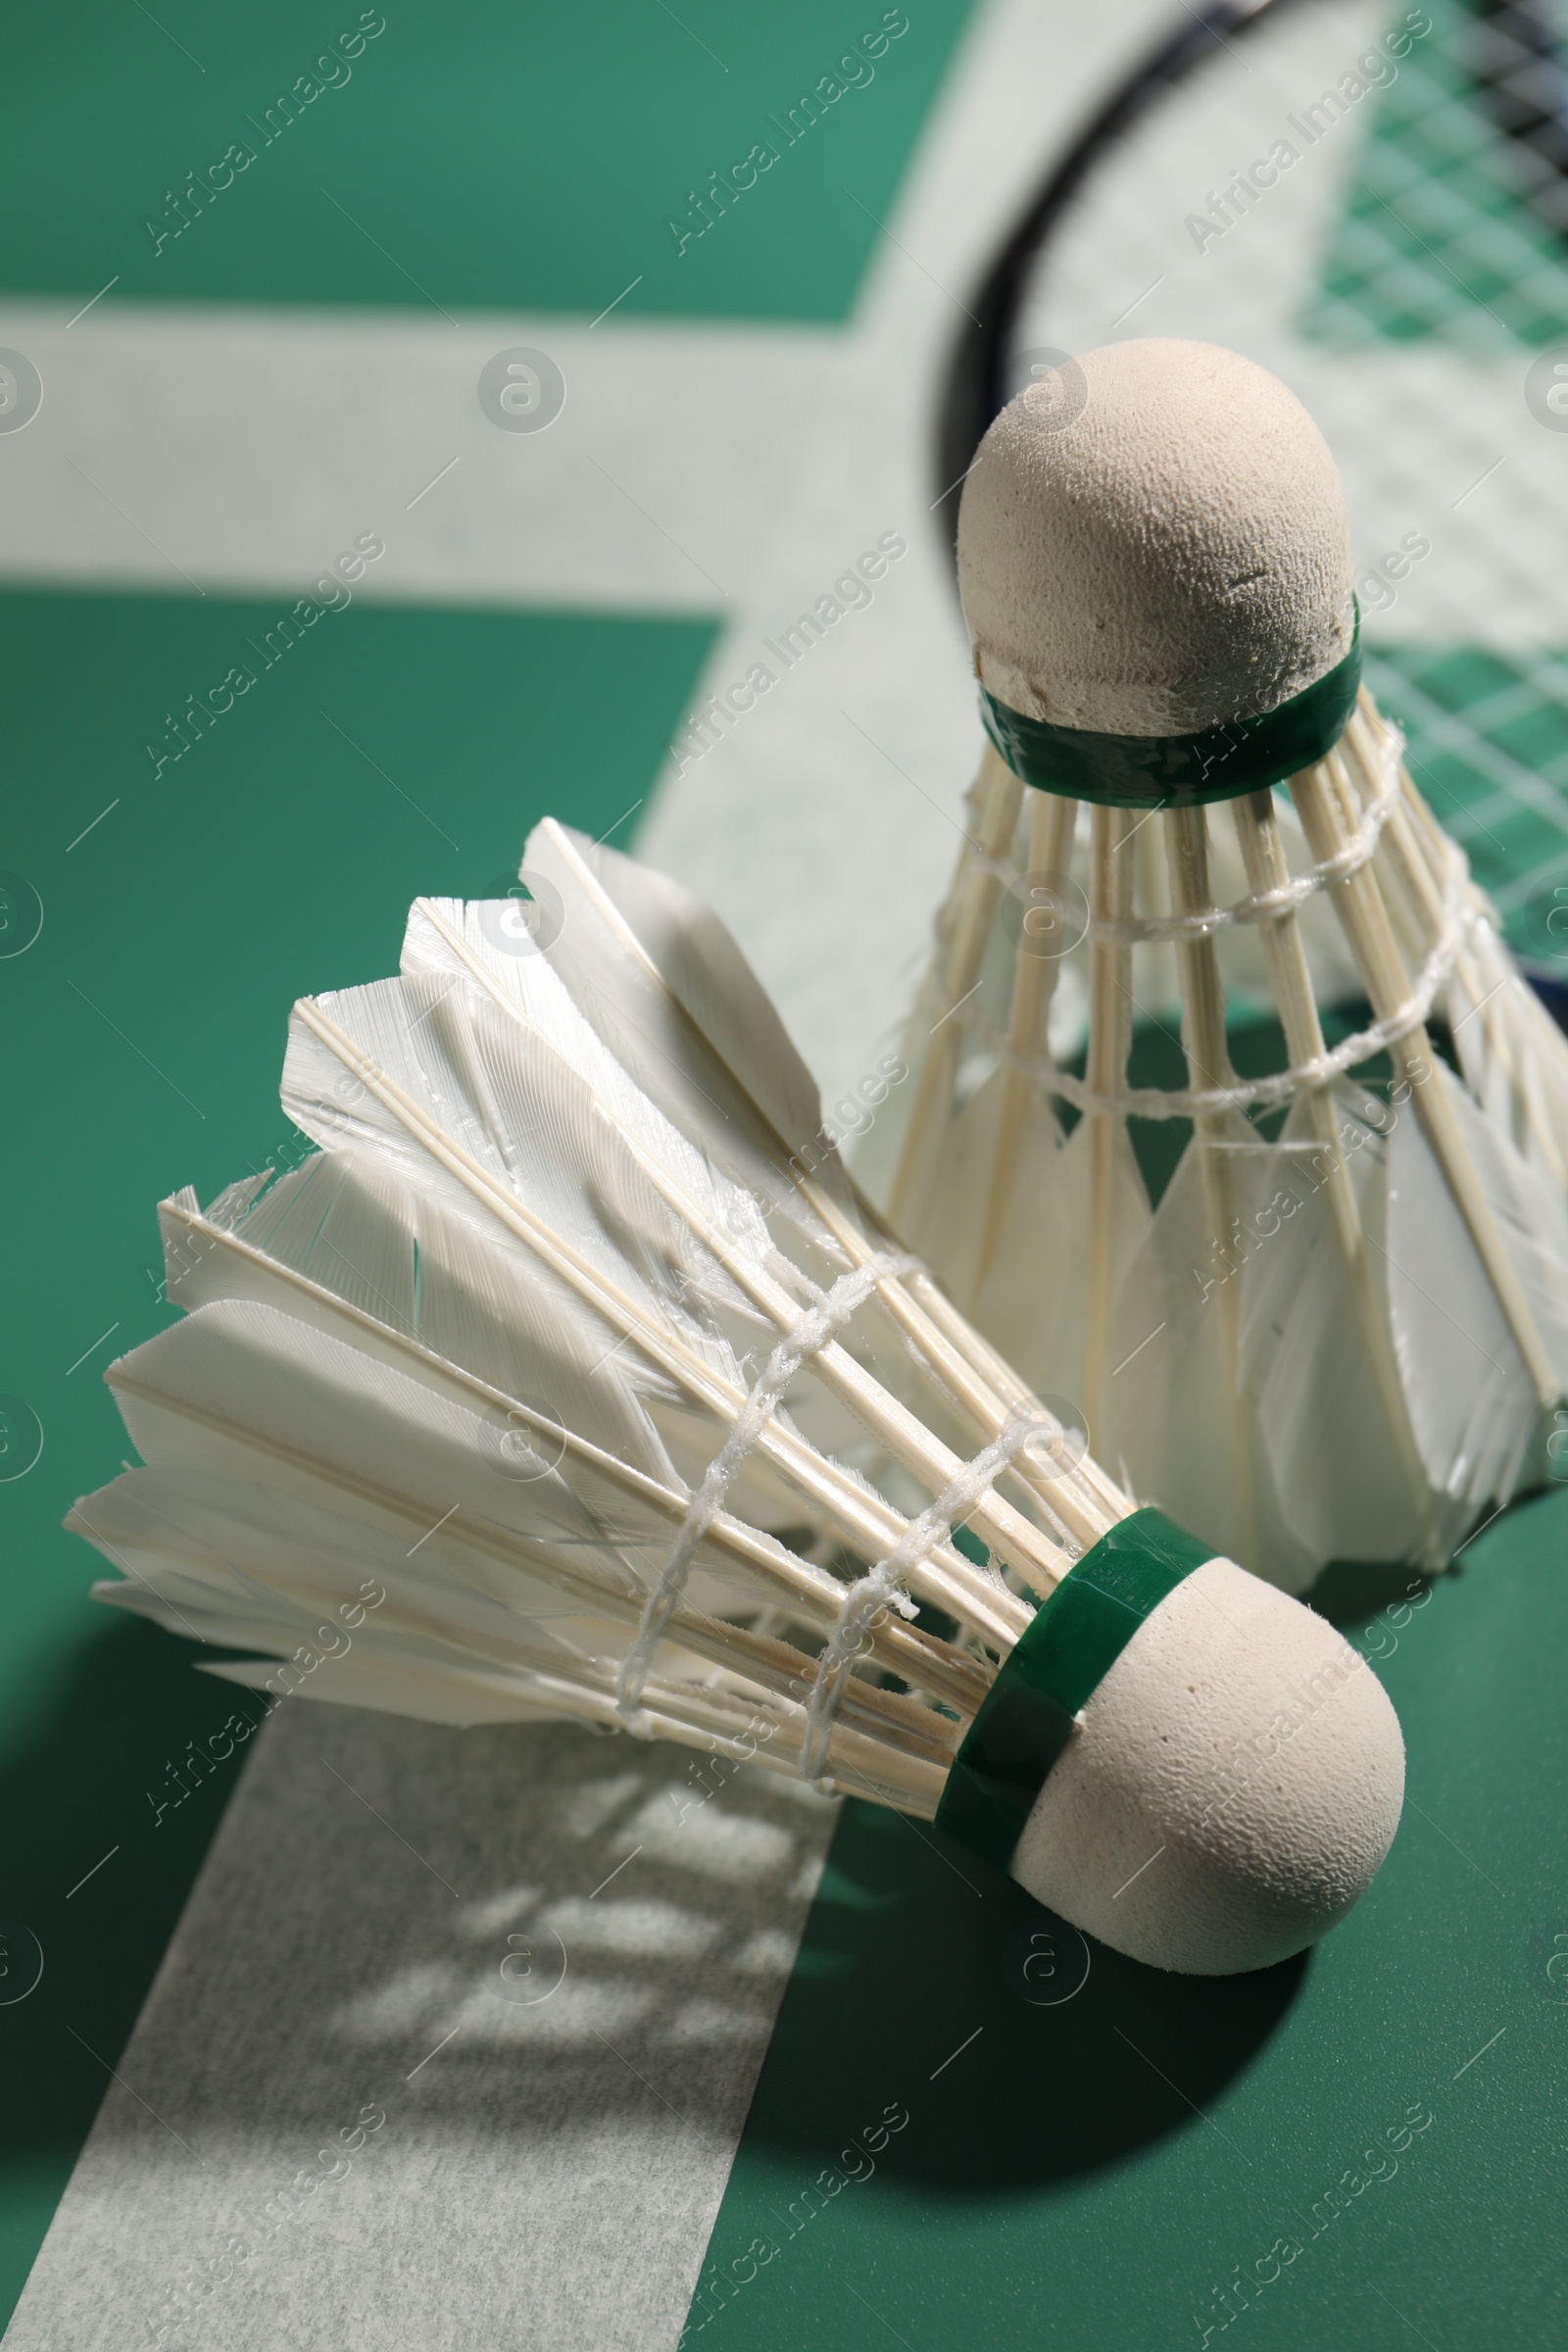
column 1461, row 915
column 883, row 1583
column 805, row 1337
column 1460, row 919
column 1261, row 907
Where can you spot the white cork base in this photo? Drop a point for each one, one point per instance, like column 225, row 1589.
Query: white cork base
column 1176, row 557
column 1234, row 1784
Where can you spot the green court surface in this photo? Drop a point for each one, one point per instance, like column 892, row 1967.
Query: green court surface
column 388, row 752
column 508, row 157
column 1119, row 2166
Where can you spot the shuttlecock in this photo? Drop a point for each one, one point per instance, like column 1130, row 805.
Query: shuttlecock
column 1343, row 1331
column 571, row 1376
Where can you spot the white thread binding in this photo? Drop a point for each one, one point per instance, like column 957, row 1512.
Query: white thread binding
column 1264, row 905
column 1459, row 916
column 1280, row 1086
column 882, row 1583
column 813, row 1332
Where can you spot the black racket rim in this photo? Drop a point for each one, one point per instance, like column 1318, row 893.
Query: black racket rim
column 974, row 383
column 974, row 388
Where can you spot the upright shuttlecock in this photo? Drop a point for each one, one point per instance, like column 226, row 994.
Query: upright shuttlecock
column 1341, row 1332
column 571, row 1376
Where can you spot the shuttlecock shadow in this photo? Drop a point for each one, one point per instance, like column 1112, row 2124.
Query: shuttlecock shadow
column 1021, row 2051
column 1351, row 1593
column 106, row 1820
column 605, row 1925
column 379, row 1882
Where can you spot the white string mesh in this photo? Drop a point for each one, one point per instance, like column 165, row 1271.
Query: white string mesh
column 1279, row 1086
column 1463, row 910
column 1263, row 906
column 1268, row 905
column 883, row 1584
column 805, row 1337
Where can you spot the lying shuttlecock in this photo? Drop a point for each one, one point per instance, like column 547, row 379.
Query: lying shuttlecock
column 1342, row 1337
column 573, row 1377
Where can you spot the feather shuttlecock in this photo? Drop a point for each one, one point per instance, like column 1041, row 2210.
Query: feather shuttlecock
column 1343, row 1331
column 573, row 1374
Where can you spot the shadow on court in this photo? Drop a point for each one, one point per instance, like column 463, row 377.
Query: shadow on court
column 929, row 1981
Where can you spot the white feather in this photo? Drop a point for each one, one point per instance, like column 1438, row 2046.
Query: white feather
column 503, row 1238
column 1034, row 1296
column 660, row 977
column 1512, row 1053
column 348, row 1223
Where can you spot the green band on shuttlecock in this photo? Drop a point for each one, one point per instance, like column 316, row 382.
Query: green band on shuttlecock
column 1064, row 1655
column 1180, row 771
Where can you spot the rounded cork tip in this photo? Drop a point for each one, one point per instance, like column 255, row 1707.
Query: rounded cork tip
column 1235, row 1782
column 1163, row 551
